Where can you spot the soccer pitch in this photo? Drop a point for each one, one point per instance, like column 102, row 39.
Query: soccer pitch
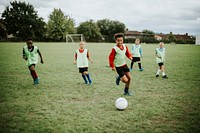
column 63, row 103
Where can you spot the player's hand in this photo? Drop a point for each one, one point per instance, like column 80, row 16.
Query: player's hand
column 92, row 61
column 113, row 69
column 25, row 58
column 74, row 62
column 131, row 58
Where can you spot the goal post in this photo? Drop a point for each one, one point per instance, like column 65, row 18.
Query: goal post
column 197, row 39
column 74, row 38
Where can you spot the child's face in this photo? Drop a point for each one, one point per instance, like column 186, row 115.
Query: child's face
column 29, row 43
column 137, row 41
column 119, row 40
column 161, row 45
column 82, row 45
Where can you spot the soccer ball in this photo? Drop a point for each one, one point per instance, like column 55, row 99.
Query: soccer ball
column 121, row 103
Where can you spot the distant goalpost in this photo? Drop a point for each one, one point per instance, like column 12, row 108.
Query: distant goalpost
column 197, row 39
column 70, row 38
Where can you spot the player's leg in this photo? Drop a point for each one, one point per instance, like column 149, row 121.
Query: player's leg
column 81, row 70
column 132, row 62
column 139, row 64
column 34, row 74
column 127, row 85
column 88, row 75
column 159, row 69
column 163, row 71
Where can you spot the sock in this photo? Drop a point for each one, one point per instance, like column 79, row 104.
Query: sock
column 139, row 65
column 163, row 73
column 158, row 72
column 84, row 77
column 126, row 89
column 132, row 64
column 34, row 74
column 88, row 77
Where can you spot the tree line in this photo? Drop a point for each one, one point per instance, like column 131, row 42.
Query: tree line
column 20, row 20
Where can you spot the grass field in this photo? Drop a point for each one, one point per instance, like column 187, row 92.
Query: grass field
column 63, row 103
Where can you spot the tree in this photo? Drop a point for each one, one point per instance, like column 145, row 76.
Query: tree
column 147, row 32
column 22, row 21
column 108, row 28
column 59, row 25
column 90, row 30
column 2, row 30
column 171, row 37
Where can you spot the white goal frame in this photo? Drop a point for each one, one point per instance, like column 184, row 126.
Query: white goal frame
column 197, row 39
column 70, row 37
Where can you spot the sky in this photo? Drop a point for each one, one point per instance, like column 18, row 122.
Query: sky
column 160, row 16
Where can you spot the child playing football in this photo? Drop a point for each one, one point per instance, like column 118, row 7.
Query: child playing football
column 81, row 58
column 136, row 53
column 30, row 54
column 117, row 62
column 160, row 59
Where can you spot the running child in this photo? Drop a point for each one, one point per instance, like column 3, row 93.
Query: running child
column 30, row 54
column 117, row 62
column 160, row 59
column 136, row 54
column 81, row 58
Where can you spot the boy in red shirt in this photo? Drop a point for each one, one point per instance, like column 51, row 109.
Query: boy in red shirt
column 117, row 62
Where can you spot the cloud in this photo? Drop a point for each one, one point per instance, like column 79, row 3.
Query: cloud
column 178, row 16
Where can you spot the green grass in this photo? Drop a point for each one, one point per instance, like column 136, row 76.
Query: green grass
column 63, row 103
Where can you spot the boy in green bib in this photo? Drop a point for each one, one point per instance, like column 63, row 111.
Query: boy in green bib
column 30, row 54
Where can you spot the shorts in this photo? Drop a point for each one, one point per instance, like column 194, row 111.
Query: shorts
column 31, row 66
column 160, row 64
column 135, row 59
column 122, row 70
column 83, row 69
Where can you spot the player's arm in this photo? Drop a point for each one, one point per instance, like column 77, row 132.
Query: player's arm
column 75, row 57
column 128, row 53
column 88, row 56
column 41, row 58
column 140, row 50
column 111, row 59
column 132, row 49
column 24, row 55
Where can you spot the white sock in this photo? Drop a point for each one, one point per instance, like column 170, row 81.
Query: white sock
column 158, row 72
column 163, row 73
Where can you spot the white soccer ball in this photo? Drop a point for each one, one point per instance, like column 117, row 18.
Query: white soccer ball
column 121, row 103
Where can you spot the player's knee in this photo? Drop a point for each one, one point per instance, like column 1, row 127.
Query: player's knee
column 32, row 68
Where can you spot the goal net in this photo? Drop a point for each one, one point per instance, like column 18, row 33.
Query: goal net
column 197, row 39
column 74, row 38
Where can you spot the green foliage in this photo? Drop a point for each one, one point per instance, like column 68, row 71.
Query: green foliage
column 171, row 37
column 22, row 21
column 90, row 30
column 108, row 28
column 2, row 30
column 148, row 32
column 59, row 25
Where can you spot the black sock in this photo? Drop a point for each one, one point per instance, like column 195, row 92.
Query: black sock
column 139, row 65
column 132, row 64
column 126, row 89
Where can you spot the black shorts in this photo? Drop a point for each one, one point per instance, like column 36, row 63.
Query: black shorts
column 122, row 70
column 135, row 59
column 83, row 69
column 160, row 64
column 31, row 66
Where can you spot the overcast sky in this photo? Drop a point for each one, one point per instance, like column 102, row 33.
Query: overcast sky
column 178, row 16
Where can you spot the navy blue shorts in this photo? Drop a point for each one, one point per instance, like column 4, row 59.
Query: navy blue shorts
column 83, row 69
